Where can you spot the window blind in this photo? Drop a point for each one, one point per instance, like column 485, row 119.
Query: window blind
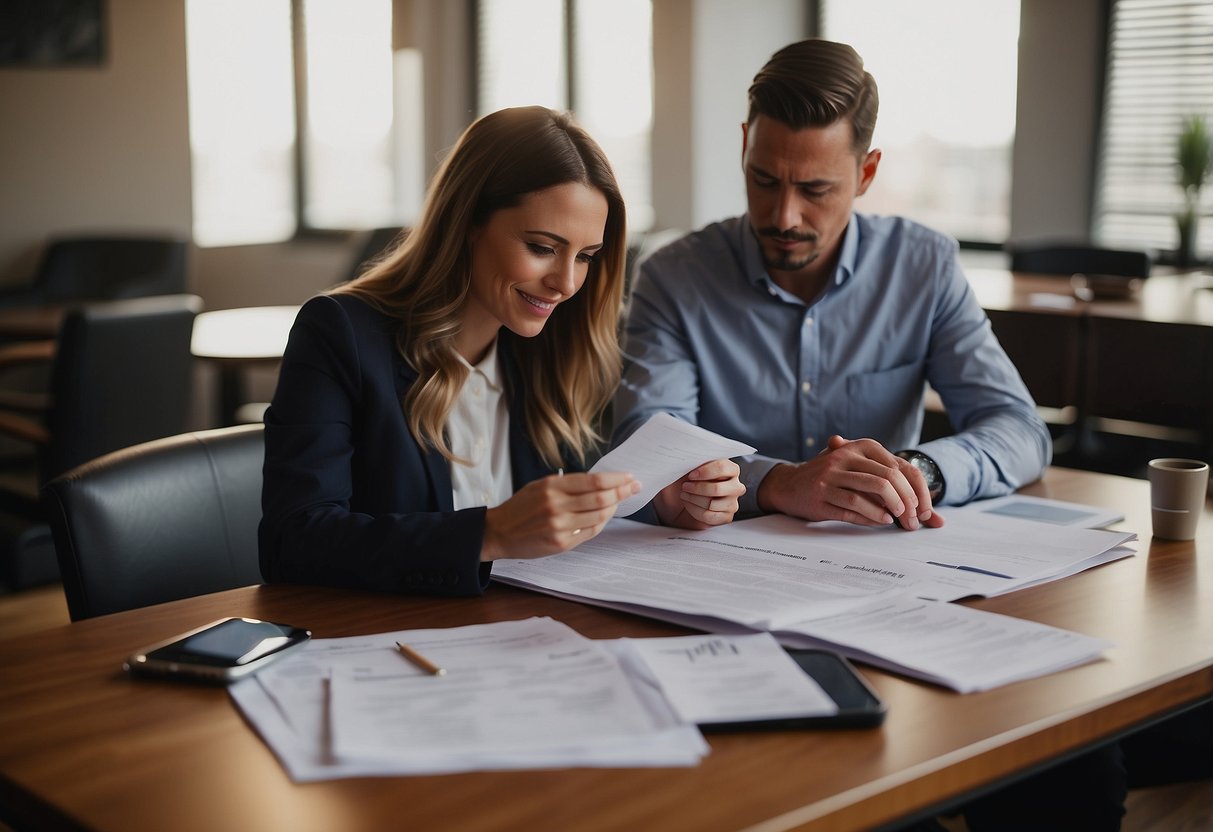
column 1159, row 69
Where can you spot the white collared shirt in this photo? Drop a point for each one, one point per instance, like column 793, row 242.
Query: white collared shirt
column 478, row 430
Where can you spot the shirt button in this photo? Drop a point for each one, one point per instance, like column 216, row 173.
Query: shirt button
column 806, row 387
column 810, row 442
column 808, row 321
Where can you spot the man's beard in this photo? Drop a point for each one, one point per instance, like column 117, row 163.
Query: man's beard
column 785, row 261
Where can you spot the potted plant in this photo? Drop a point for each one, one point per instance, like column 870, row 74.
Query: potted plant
column 1195, row 161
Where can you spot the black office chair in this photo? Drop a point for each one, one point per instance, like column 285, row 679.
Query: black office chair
column 159, row 521
column 121, row 373
column 103, row 268
column 1066, row 258
column 377, row 242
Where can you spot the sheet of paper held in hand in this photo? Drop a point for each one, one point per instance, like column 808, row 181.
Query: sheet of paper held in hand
column 355, row 707
column 661, row 451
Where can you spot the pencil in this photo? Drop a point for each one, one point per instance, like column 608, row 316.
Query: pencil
column 420, row 660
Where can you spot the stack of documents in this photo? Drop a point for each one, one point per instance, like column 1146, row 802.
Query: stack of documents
column 518, row 694
column 874, row 594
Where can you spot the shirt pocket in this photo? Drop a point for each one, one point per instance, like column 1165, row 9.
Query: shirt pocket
column 885, row 405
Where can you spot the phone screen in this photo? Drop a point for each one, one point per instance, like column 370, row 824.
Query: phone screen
column 222, row 651
column 231, row 643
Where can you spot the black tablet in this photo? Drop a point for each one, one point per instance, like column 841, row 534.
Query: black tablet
column 858, row 704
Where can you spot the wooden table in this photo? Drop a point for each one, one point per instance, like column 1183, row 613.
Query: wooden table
column 1140, row 365
column 82, row 746
column 1170, row 298
column 31, row 322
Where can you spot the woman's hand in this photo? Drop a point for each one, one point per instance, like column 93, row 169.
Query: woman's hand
column 553, row 514
column 705, row 497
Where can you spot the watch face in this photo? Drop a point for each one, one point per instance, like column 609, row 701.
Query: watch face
column 929, row 470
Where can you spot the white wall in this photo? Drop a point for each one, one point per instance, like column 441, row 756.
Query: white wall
column 706, row 52
column 1060, row 67
column 96, row 149
column 108, row 148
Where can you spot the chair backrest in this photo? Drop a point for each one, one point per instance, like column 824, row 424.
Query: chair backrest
column 1072, row 258
column 164, row 520
column 111, row 268
column 377, row 242
column 122, row 374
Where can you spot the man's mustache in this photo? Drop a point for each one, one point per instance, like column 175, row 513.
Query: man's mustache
column 788, row 236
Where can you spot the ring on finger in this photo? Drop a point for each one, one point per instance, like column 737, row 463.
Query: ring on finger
column 576, row 532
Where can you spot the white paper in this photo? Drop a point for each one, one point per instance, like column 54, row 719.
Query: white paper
column 797, row 579
column 747, row 581
column 716, row 678
column 291, row 706
column 534, row 686
column 986, row 554
column 960, row 647
column 661, row 451
column 1043, row 510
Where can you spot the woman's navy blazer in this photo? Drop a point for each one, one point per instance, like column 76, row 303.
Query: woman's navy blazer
column 350, row 498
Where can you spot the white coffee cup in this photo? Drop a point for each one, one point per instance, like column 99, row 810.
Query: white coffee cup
column 1177, row 496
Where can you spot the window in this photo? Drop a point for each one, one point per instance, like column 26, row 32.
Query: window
column 1160, row 69
column 242, row 120
column 947, row 108
column 593, row 57
column 339, row 150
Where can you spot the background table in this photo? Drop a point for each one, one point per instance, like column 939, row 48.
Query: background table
column 234, row 339
column 81, row 745
column 1123, row 379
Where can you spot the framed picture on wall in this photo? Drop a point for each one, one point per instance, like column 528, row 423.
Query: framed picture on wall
column 52, row 33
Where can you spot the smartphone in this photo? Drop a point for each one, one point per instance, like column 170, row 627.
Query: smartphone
column 858, row 704
column 220, row 652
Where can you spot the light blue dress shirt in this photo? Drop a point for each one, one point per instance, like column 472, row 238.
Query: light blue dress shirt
column 712, row 340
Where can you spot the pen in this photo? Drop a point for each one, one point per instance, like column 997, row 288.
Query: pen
column 420, row 660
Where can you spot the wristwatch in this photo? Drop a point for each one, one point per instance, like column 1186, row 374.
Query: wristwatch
column 930, row 471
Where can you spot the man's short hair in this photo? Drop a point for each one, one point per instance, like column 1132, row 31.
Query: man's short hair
column 814, row 83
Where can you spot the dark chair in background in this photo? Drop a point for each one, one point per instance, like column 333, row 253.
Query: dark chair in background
column 103, row 268
column 1078, row 258
column 377, row 241
column 159, row 521
column 1138, row 407
column 121, row 374
column 1048, row 351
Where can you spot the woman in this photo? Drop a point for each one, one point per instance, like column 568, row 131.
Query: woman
column 427, row 413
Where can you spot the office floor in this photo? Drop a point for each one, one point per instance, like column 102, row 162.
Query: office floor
column 1186, row 807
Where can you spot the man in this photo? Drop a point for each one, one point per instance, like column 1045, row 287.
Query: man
column 808, row 330
column 803, row 322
